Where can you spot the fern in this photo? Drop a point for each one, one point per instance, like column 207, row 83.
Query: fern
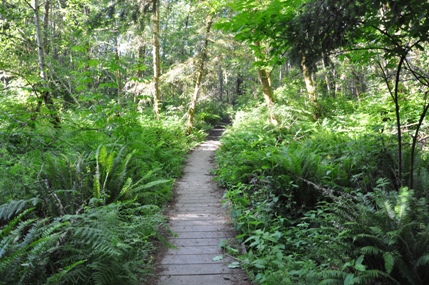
column 423, row 260
column 113, row 178
column 102, row 242
column 333, row 275
column 56, row 278
column 84, row 229
column 389, row 236
column 331, row 282
column 8, row 210
column 9, row 227
column 389, row 261
column 26, row 250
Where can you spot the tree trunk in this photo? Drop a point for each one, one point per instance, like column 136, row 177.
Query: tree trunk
column 356, row 81
column 39, row 39
column 329, row 70
column 220, row 82
column 45, row 94
column 414, row 144
column 118, row 70
column 226, row 80
column 359, row 81
column 185, row 34
column 46, row 26
column 398, row 118
column 238, row 83
column 309, row 82
column 199, row 79
column 141, row 53
column 394, row 93
column 156, row 57
column 267, row 90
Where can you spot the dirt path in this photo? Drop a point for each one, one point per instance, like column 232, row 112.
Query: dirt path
column 201, row 224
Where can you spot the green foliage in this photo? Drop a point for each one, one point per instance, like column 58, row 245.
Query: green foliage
column 87, row 197
column 103, row 245
column 258, row 21
column 386, row 234
column 112, row 241
column 11, row 209
column 316, row 202
column 318, row 198
column 25, row 249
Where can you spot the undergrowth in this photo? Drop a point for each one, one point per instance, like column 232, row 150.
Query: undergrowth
column 81, row 204
column 318, row 201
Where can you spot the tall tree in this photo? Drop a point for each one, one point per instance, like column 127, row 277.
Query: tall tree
column 253, row 24
column 156, row 57
column 389, row 29
column 199, row 77
column 45, row 90
column 264, row 76
column 367, row 30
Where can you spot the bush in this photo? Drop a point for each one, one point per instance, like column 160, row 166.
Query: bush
column 102, row 245
column 82, row 204
column 317, row 202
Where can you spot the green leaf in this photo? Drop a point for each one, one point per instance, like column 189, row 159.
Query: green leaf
column 109, row 85
column 424, row 260
column 360, row 267
column 127, row 186
column 234, row 264
column 376, row 230
column 349, row 279
column 389, row 261
column 359, row 260
column 370, row 250
column 155, row 183
column 259, row 263
column 217, row 258
column 222, row 243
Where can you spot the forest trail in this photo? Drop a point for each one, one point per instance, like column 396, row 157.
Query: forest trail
column 201, row 223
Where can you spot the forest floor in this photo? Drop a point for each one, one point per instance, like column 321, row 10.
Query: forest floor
column 201, row 226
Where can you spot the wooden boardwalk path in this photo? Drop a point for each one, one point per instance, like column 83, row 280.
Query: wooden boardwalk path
column 201, row 224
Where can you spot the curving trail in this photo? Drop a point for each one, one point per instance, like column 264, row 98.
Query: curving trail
column 201, row 224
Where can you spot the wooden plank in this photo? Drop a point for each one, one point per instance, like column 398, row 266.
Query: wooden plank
column 209, row 234
column 195, row 241
column 197, row 269
column 222, row 279
column 196, row 210
column 208, row 228
column 193, row 259
column 198, row 222
column 184, row 250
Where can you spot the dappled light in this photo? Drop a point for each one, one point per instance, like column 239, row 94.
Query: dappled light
column 202, row 229
column 208, row 146
column 120, row 119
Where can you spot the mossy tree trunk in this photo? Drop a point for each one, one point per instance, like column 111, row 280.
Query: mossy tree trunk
column 264, row 77
column 309, row 81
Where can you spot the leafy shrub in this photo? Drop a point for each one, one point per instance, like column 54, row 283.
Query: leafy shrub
column 87, row 196
column 388, row 233
column 103, row 245
column 315, row 202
